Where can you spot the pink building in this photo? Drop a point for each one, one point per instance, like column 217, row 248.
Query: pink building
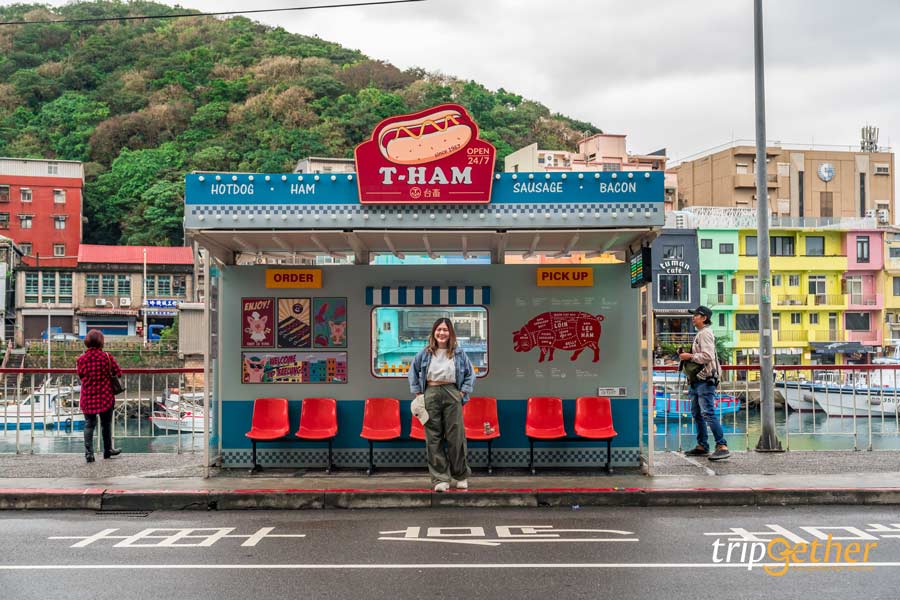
column 865, row 261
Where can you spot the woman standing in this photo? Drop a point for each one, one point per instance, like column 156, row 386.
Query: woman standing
column 443, row 373
column 95, row 367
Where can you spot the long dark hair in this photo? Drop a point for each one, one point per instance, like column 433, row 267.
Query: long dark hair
column 451, row 343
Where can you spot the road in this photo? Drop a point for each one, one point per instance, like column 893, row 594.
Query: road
column 454, row 553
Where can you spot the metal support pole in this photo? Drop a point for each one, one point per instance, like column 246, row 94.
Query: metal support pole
column 768, row 440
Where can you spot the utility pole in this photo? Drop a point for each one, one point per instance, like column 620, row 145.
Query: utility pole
column 144, row 303
column 768, row 440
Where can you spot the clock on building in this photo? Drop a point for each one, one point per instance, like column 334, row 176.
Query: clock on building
column 825, row 172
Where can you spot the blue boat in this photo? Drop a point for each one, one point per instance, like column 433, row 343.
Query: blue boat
column 672, row 402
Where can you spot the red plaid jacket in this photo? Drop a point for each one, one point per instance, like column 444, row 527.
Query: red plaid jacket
column 94, row 368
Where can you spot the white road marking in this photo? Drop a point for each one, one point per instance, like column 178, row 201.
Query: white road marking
column 430, row 566
column 695, row 463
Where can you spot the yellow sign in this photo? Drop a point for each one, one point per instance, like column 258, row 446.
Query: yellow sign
column 293, row 278
column 565, row 277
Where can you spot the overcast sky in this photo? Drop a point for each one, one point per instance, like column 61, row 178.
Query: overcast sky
column 674, row 74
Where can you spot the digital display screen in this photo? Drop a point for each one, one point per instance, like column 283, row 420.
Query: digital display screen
column 640, row 264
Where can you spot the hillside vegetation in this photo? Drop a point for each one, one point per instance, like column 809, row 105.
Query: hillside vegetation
column 142, row 102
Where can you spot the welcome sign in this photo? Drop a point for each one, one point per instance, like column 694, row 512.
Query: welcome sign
column 430, row 157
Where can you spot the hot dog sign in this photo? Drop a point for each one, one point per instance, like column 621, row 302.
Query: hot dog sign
column 430, row 157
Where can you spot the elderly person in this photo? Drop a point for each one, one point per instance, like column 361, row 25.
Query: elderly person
column 95, row 367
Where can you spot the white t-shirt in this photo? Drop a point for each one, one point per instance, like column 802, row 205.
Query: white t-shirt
column 441, row 367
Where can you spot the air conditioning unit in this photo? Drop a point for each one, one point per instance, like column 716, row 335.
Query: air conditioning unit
column 124, row 301
column 883, row 216
column 870, row 212
column 100, row 302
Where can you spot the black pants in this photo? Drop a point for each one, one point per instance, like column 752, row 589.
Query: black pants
column 90, row 423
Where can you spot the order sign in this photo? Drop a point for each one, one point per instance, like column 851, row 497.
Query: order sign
column 293, row 278
column 565, row 277
column 430, row 157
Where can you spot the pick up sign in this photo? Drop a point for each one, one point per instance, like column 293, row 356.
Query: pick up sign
column 430, row 157
column 565, row 277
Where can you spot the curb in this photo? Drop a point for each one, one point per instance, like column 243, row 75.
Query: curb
column 101, row 499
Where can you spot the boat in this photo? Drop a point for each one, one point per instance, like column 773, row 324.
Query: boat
column 860, row 394
column 179, row 412
column 47, row 408
column 672, row 403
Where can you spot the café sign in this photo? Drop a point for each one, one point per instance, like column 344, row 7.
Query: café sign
column 674, row 266
column 433, row 156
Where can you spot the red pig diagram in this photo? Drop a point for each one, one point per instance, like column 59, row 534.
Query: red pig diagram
column 551, row 331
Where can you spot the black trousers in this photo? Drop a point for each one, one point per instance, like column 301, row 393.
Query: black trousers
column 90, row 423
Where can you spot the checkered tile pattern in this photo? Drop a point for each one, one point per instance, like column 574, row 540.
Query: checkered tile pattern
column 412, row 457
column 528, row 215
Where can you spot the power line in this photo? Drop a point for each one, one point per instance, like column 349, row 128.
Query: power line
column 209, row 14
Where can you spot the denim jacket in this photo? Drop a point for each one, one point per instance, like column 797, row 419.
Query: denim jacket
column 465, row 374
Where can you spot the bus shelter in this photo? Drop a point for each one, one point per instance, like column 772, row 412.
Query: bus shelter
column 283, row 324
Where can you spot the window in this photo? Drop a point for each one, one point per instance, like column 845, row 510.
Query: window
column 59, row 196
column 742, row 168
column 611, row 166
column 795, row 318
column 25, row 221
column 793, row 280
column 65, row 287
column 150, row 286
column 721, row 320
column 726, row 248
column 59, row 222
column 92, row 285
column 815, row 245
column 674, row 288
column 776, row 280
column 52, row 169
column 862, row 249
column 816, row 285
column 108, row 285
column 746, row 322
column 179, row 286
column 25, row 195
column 31, row 287
column 124, row 284
column 59, row 249
column 673, row 252
column 750, row 245
column 782, row 246
column 4, row 220
column 703, row 281
column 894, row 252
column 896, row 286
column 857, row 321
column 25, row 247
column 4, row 193
column 163, row 285
column 826, row 204
column 706, row 244
column 48, row 287
column 395, row 346
column 813, row 318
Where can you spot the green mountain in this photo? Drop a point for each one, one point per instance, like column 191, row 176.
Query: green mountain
column 143, row 101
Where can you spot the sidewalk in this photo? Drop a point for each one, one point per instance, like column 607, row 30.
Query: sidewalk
column 144, row 482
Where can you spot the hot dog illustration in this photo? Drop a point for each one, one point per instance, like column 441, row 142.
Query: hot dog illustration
column 425, row 139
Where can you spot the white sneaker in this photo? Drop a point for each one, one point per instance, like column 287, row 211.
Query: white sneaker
column 462, row 485
column 441, row 486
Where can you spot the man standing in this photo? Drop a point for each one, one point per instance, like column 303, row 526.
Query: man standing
column 703, row 387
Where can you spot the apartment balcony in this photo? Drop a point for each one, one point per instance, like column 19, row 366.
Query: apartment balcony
column 748, row 338
column 793, row 264
column 866, row 338
column 892, row 265
column 827, row 335
column 684, row 339
column 748, row 180
column 718, row 300
column 751, row 300
column 791, row 300
column 828, row 301
column 865, row 302
column 794, row 336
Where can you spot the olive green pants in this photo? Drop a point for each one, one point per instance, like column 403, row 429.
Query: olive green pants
column 445, row 423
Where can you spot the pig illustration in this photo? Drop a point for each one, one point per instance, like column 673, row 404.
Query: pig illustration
column 550, row 331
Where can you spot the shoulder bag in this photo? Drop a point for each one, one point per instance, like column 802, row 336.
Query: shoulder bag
column 114, row 382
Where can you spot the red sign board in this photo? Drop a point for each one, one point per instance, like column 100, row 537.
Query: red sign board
column 430, row 157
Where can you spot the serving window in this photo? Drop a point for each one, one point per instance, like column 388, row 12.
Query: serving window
column 400, row 332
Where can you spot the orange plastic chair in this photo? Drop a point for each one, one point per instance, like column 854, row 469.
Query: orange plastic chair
column 318, row 421
column 417, row 430
column 381, row 422
column 477, row 412
column 270, row 422
column 593, row 420
column 543, row 421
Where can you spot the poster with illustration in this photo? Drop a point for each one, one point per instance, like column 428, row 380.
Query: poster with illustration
column 329, row 323
column 293, row 323
column 569, row 331
column 258, row 322
column 293, row 367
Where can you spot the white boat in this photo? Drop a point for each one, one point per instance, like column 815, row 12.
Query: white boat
column 47, row 408
column 874, row 393
column 175, row 421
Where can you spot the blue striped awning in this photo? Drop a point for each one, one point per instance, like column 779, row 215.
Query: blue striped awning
column 422, row 295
